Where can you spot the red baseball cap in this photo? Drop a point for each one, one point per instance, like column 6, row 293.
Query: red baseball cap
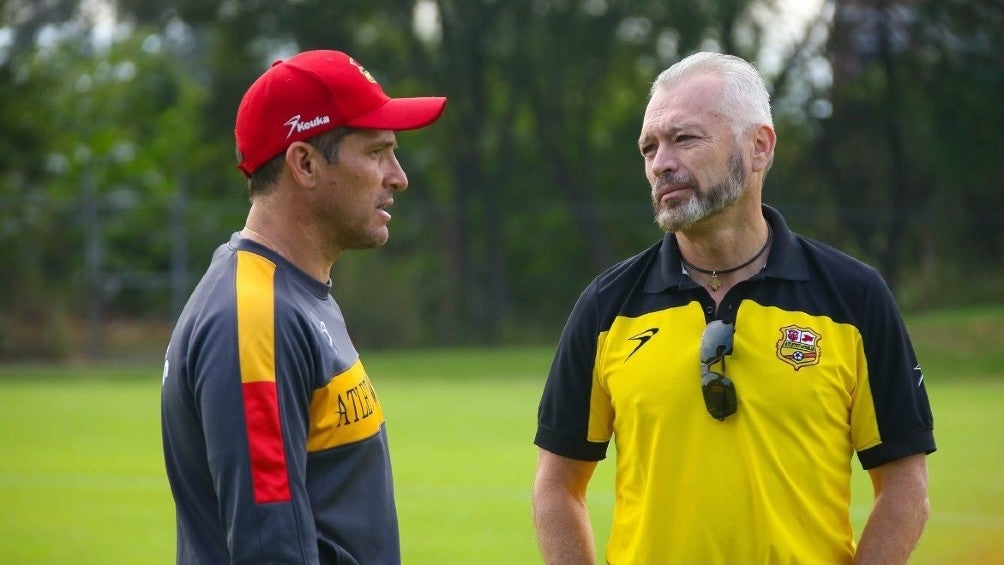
column 313, row 92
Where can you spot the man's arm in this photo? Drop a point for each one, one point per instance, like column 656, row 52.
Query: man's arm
column 899, row 513
column 560, row 516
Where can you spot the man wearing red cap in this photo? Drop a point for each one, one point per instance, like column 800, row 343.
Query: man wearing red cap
column 274, row 435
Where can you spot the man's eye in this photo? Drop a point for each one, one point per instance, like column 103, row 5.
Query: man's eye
column 645, row 150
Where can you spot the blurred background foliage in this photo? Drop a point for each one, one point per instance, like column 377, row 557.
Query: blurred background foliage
column 118, row 178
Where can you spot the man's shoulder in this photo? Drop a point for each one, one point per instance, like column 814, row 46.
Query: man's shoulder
column 836, row 263
column 609, row 291
column 627, row 272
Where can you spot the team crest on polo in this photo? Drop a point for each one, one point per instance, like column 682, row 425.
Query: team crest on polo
column 798, row 346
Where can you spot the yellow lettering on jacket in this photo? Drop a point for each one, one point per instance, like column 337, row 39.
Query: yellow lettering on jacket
column 345, row 411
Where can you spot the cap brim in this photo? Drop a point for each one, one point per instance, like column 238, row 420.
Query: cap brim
column 402, row 114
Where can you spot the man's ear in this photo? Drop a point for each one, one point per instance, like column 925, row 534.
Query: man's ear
column 764, row 141
column 302, row 161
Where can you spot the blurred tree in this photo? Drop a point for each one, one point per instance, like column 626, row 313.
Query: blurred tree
column 529, row 185
column 545, row 102
column 957, row 124
column 903, row 152
column 102, row 131
column 30, row 311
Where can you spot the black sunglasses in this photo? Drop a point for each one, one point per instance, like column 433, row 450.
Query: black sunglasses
column 719, row 392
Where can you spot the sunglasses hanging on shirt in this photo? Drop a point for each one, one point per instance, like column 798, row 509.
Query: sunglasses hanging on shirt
column 718, row 390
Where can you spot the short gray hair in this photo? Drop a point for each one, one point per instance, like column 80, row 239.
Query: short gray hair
column 744, row 102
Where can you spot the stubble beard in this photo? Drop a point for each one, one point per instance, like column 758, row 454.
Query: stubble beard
column 365, row 237
column 702, row 204
column 353, row 231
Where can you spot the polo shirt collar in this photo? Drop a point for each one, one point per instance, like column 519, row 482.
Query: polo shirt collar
column 786, row 259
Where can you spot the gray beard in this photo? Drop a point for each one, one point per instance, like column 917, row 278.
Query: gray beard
column 702, row 204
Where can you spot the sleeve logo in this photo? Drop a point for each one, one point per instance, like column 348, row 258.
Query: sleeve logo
column 344, row 411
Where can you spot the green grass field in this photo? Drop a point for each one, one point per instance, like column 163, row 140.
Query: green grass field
column 82, row 481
